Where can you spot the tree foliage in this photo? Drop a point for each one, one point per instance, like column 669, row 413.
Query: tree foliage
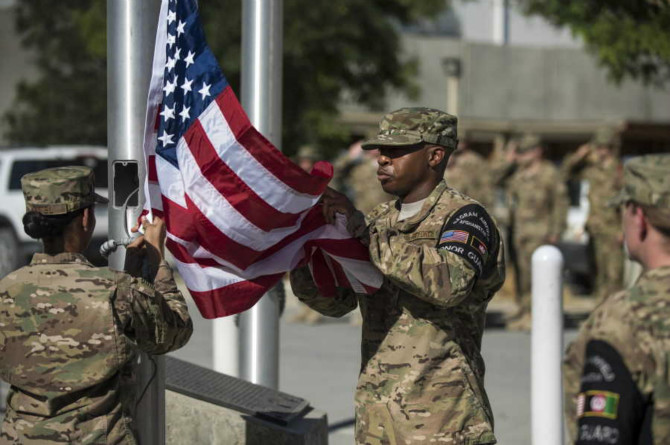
column 330, row 48
column 67, row 103
column 631, row 38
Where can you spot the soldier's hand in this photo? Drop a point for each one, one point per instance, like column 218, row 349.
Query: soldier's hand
column 155, row 233
column 584, row 150
column 135, row 253
column 335, row 202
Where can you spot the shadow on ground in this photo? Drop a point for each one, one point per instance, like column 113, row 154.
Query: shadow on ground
column 571, row 320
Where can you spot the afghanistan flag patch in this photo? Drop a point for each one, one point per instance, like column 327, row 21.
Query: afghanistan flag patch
column 598, row 404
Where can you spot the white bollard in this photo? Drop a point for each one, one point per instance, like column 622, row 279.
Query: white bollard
column 547, row 347
column 226, row 346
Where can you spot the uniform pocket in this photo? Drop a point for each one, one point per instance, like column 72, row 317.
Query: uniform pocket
column 449, row 408
column 375, row 426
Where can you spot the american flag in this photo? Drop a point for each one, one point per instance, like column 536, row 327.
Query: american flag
column 239, row 214
column 455, row 236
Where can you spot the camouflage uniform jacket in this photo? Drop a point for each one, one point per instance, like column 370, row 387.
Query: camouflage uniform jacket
column 604, row 179
column 69, row 333
column 469, row 175
column 636, row 324
column 538, row 200
column 422, row 374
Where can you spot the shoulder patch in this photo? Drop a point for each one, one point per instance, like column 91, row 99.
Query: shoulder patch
column 609, row 400
column 471, row 234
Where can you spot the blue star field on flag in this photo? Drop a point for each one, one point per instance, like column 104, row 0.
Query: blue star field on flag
column 192, row 78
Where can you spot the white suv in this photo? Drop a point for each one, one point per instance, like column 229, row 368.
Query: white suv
column 15, row 246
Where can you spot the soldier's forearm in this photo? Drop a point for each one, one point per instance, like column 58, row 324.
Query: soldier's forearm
column 164, row 278
column 502, row 172
column 177, row 319
column 423, row 271
column 305, row 289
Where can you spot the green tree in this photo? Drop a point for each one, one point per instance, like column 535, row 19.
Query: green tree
column 630, row 38
column 330, row 48
column 67, row 103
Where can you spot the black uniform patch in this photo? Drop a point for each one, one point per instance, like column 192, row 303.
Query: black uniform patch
column 610, row 407
column 471, row 234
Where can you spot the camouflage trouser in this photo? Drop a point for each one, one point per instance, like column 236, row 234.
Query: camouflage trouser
column 608, row 258
column 524, row 248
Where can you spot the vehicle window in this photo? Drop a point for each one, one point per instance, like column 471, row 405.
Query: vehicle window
column 20, row 168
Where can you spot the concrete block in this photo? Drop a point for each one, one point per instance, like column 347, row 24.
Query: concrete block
column 195, row 422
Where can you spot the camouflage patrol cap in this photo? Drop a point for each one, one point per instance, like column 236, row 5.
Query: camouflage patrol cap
column 60, row 190
column 410, row 126
column 528, row 142
column 646, row 181
column 605, row 137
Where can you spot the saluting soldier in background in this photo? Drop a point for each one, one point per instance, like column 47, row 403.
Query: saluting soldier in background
column 538, row 211
column 598, row 163
column 422, row 373
column 69, row 331
column 617, row 371
column 468, row 172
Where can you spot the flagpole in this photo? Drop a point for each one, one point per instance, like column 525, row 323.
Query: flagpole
column 262, row 37
column 131, row 32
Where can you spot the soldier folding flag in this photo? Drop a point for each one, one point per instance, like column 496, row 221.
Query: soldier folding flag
column 239, row 214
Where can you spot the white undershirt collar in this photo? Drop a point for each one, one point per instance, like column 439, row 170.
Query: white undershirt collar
column 410, row 209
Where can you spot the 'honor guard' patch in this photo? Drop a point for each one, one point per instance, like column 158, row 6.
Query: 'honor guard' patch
column 471, row 234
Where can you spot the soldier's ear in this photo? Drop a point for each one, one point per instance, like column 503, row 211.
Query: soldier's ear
column 87, row 219
column 641, row 222
column 436, row 155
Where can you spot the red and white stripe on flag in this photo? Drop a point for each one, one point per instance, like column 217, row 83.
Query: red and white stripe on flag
column 239, row 214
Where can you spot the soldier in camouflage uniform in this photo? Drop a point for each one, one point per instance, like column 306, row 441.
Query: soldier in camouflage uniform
column 422, row 374
column 468, row 173
column 597, row 163
column 617, row 371
column 69, row 331
column 538, row 212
